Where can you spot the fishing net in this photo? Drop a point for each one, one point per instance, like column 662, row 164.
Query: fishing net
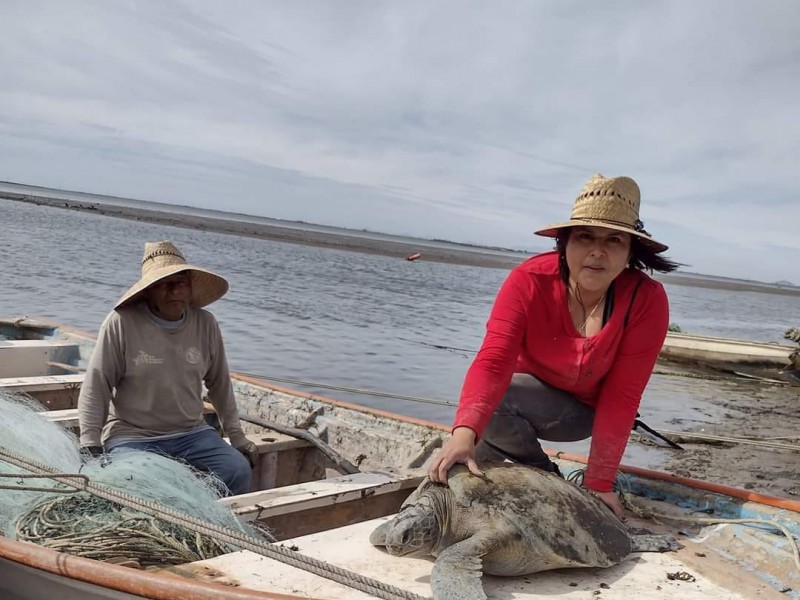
column 39, row 510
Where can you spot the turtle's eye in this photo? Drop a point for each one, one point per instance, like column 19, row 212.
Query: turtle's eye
column 406, row 537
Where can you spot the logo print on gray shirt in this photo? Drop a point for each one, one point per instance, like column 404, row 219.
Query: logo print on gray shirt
column 192, row 355
column 147, row 359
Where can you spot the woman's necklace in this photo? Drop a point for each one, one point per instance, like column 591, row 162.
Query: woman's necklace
column 591, row 314
column 582, row 328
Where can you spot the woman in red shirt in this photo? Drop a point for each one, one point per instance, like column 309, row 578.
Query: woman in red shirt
column 570, row 344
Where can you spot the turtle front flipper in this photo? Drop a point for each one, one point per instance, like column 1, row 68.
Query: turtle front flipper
column 457, row 573
column 654, row 543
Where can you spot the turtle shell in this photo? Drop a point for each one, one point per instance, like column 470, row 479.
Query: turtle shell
column 560, row 524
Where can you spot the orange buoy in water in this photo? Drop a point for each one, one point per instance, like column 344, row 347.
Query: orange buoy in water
column 414, row 256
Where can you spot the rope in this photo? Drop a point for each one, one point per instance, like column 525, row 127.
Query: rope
column 221, row 534
column 341, row 388
column 765, row 443
column 667, row 372
column 626, row 499
column 754, row 441
column 28, row 488
column 621, row 481
column 423, row 400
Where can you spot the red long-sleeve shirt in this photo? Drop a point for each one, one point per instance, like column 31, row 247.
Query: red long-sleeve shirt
column 530, row 330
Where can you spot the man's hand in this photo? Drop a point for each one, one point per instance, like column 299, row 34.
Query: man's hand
column 90, row 452
column 250, row 452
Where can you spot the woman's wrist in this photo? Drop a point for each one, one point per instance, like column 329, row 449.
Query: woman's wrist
column 464, row 433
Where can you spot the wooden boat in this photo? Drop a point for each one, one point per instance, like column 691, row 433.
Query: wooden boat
column 743, row 358
column 682, row 347
column 322, row 516
column 412, row 257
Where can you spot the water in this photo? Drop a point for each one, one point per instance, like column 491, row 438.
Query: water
column 330, row 316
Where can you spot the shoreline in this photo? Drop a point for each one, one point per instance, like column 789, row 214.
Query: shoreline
column 293, row 235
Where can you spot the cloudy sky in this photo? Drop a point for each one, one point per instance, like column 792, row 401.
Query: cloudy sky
column 470, row 121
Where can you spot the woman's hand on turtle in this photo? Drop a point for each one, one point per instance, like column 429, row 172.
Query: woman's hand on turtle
column 611, row 500
column 460, row 448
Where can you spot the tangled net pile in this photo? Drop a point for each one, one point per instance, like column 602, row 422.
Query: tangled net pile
column 84, row 525
column 99, row 529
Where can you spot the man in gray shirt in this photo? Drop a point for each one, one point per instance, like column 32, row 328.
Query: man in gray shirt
column 144, row 383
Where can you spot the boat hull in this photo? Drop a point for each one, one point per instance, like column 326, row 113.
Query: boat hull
column 681, row 347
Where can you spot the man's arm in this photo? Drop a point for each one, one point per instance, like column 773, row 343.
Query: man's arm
column 220, row 389
column 105, row 370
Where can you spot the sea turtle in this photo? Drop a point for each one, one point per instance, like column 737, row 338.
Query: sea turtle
column 514, row 520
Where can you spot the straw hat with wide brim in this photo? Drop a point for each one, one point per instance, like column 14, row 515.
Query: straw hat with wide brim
column 612, row 203
column 162, row 259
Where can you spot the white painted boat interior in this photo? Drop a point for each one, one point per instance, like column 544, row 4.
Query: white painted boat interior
column 642, row 575
column 31, row 358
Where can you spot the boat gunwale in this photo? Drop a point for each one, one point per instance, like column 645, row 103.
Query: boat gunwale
column 697, row 484
column 143, row 583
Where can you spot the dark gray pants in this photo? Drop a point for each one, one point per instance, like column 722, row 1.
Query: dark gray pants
column 531, row 411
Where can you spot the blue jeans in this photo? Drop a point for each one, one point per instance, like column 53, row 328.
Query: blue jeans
column 206, row 451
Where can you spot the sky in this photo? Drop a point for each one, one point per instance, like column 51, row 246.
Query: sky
column 476, row 122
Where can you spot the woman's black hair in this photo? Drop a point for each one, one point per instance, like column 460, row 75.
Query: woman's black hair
column 642, row 258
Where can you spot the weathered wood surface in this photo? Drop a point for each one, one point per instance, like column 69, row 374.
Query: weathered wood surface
column 29, row 358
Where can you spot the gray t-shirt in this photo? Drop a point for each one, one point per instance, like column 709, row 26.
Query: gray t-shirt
column 146, row 381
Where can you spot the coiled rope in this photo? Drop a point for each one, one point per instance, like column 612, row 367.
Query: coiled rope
column 220, row 534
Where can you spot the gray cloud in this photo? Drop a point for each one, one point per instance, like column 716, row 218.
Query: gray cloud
column 470, row 121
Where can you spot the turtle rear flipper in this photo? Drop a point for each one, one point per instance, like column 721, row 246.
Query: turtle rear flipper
column 654, row 543
column 457, row 573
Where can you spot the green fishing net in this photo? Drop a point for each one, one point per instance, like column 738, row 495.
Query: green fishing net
column 85, row 525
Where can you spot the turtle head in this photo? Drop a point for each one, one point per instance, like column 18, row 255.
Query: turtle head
column 414, row 530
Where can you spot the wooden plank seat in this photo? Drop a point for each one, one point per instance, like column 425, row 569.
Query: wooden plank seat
column 270, row 442
column 41, row 382
column 314, row 494
column 67, row 418
column 29, row 358
column 318, row 505
column 53, row 391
